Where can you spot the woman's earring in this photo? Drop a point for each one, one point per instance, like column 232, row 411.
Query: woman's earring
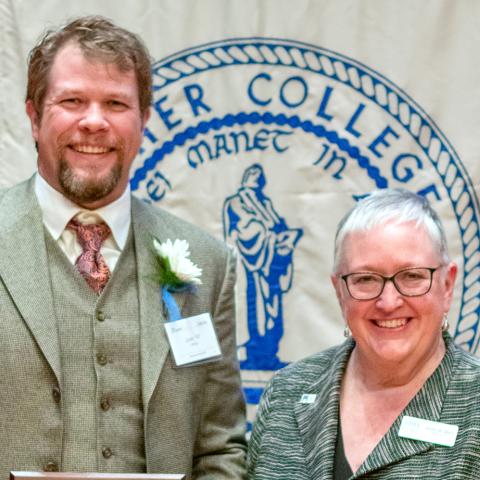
column 346, row 332
column 445, row 325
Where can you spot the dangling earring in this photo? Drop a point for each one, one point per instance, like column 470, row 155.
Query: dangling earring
column 346, row 332
column 445, row 325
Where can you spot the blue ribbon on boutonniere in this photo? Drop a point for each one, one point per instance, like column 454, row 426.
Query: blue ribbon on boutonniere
column 171, row 306
column 175, row 273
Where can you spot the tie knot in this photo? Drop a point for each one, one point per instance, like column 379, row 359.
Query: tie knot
column 90, row 235
column 90, row 263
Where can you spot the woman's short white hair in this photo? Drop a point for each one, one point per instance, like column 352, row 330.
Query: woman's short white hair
column 391, row 206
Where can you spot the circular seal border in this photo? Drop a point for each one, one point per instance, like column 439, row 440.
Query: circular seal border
column 368, row 83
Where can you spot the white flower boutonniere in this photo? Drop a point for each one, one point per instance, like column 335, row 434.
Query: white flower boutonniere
column 176, row 272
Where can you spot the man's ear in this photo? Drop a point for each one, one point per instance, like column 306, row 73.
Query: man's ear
column 34, row 118
column 145, row 117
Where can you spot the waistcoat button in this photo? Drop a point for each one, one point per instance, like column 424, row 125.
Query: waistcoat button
column 56, row 394
column 102, row 359
column 106, row 452
column 105, row 404
column 50, row 467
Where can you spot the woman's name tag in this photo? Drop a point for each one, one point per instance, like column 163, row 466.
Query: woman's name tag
column 428, row 431
column 193, row 340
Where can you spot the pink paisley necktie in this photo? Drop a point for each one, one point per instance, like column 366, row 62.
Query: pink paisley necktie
column 90, row 263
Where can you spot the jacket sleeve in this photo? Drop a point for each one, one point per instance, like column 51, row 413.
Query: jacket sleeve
column 220, row 447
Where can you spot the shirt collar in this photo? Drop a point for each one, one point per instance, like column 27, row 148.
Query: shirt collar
column 57, row 211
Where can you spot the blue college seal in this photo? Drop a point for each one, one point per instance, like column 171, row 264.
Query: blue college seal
column 266, row 143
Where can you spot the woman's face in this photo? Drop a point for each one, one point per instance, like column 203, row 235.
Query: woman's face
column 393, row 327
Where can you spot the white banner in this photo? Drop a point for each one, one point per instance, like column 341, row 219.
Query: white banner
column 270, row 118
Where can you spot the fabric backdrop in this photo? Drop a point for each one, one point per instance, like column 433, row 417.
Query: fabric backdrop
column 271, row 118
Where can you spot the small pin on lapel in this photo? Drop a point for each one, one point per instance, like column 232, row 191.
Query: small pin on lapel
column 308, row 398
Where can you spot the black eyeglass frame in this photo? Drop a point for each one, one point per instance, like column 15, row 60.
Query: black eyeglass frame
column 391, row 279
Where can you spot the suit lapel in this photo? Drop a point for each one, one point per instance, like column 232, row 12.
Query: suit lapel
column 318, row 421
column 154, row 343
column 427, row 404
column 24, row 268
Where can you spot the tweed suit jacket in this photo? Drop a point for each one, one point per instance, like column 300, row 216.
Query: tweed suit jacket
column 296, row 441
column 193, row 416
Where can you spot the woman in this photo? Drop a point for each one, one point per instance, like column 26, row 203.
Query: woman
column 358, row 410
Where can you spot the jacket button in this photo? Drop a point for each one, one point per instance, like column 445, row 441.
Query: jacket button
column 50, row 467
column 105, row 404
column 101, row 316
column 102, row 359
column 106, row 452
column 56, row 394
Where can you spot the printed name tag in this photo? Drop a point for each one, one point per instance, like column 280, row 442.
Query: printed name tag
column 193, row 340
column 428, row 431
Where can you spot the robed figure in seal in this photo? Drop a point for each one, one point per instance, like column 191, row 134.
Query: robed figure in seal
column 266, row 246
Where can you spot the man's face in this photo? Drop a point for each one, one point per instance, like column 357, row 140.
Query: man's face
column 394, row 327
column 90, row 128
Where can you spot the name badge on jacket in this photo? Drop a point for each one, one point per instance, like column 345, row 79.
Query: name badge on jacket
column 428, row 431
column 193, row 340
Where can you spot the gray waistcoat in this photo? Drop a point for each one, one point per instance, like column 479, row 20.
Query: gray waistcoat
column 100, row 353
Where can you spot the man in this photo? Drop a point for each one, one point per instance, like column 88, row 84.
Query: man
column 88, row 381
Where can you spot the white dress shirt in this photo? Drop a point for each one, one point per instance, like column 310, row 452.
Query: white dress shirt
column 57, row 211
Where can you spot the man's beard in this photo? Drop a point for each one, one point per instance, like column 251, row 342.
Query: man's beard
column 84, row 191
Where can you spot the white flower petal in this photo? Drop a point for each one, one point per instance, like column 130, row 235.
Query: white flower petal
column 177, row 253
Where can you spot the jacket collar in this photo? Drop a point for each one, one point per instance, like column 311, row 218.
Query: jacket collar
column 147, row 225
column 426, row 404
column 318, row 422
column 24, row 266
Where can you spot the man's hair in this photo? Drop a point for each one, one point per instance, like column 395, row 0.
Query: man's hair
column 395, row 206
column 100, row 40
